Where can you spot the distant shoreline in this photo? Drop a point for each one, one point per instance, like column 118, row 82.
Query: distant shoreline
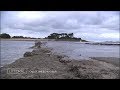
column 21, row 39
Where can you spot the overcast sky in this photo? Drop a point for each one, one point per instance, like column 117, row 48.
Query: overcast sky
column 89, row 25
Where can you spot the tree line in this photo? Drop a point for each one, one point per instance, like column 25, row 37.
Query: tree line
column 5, row 35
column 60, row 36
column 64, row 36
column 56, row 36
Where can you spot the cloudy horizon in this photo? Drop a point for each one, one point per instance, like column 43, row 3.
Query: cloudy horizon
column 88, row 25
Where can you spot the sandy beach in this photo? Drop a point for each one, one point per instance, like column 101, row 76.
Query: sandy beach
column 41, row 63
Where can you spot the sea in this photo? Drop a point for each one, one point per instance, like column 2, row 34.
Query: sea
column 13, row 50
column 82, row 51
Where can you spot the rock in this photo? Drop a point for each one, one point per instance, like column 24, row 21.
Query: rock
column 38, row 44
column 60, row 56
column 27, row 54
column 64, row 61
column 35, row 52
column 48, row 54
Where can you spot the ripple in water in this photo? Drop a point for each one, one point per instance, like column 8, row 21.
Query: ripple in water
column 83, row 51
column 12, row 50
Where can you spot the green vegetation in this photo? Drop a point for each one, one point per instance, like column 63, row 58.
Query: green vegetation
column 4, row 35
column 24, row 37
column 20, row 37
column 17, row 37
column 64, row 36
column 56, row 36
column 60, row 36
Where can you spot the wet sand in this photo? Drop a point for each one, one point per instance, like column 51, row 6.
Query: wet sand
column 41, row 63
column 112, row 60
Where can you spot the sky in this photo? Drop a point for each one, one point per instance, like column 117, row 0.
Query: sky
column 88, row 25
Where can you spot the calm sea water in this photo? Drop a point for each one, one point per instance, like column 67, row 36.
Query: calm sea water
column 76, row 50
column 12, row 50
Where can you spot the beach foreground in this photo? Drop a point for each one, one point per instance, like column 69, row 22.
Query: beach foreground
column 41, row 63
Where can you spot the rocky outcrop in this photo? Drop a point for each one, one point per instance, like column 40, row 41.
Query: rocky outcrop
column 38, row 44
column 27, row 54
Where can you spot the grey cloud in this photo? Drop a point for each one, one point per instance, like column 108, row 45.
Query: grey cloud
column 78, row 22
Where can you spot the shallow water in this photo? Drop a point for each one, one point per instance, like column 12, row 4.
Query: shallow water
column 76, row 50
column 12, row 50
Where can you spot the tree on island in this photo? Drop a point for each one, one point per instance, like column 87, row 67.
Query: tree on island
column 64, row 36
column 4, row 35
column 60, row 36
column 70, row 35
